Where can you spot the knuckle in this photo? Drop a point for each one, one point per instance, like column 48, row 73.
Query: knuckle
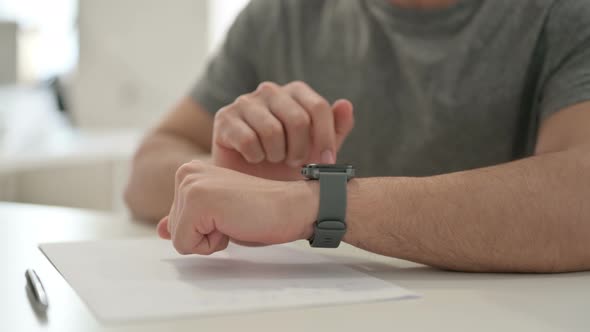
column 241, row 101
column 190, row 189
column 222, row 114
column 320, row 105
column 247, row 141
column 187, row 172
column 299, row 85
column 183, row 171
column 198, row 165
column 194, row 189
column 180, row 248
column 223, row 122
column 267, row 87
column 223, row 117
column 271, row 129
column 184, row 183
column 300, row 122
column 184, row 188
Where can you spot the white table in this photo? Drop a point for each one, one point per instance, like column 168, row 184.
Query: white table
column 451, row 301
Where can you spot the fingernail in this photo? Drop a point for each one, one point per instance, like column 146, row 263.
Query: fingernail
column 327, row 157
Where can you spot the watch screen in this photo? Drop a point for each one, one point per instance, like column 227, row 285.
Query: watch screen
column 313, row 170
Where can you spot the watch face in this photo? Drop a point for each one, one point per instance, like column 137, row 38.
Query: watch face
column 313, row 171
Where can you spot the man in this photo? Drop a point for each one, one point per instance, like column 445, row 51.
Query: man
column 471, row 132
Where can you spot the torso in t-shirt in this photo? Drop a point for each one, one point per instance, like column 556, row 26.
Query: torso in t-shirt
column 434, row 91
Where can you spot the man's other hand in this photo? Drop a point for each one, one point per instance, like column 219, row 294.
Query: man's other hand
column 214, row 205
column 274, row 130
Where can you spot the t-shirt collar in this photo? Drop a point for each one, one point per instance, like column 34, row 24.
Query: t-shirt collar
column 416, row 20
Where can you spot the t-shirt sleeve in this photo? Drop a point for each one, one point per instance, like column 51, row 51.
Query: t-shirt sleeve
column 567, row 60
column 232, row 71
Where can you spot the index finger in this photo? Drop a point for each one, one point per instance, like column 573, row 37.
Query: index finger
column 322, row 118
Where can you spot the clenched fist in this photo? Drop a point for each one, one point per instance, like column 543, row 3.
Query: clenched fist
column 214, row 205
column 274, row 130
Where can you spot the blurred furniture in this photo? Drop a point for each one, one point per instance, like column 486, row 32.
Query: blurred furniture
column 451, row 301
column 8, row 52
column 45, row 160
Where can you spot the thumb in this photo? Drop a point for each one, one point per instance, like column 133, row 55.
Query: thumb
column 163, row 229
column 343, row 120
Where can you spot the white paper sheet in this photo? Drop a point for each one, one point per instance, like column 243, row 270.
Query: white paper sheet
column 127, row 280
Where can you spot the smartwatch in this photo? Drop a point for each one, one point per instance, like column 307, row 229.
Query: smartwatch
column 330, row 226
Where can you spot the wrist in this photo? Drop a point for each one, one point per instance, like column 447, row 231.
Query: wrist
column 303, row 206
column 353, row 206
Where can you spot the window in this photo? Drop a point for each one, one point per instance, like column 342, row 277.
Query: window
column 47, row 36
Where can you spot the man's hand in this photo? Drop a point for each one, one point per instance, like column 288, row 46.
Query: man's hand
column 213, row 205
column 274, row 130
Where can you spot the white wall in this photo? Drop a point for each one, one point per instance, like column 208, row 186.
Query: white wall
column 137, row 58
column 221, row 15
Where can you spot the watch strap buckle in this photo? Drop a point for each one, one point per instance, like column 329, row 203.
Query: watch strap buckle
column 328, row 234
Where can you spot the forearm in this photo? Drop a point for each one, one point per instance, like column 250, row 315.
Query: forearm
column 525, row 216
column 150, row 190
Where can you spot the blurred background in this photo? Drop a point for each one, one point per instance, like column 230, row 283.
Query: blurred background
column 82, row 80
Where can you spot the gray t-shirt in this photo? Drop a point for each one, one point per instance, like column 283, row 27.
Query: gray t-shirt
column 434, row 91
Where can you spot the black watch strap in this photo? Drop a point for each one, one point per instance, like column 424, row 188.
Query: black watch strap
column 330, row 226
